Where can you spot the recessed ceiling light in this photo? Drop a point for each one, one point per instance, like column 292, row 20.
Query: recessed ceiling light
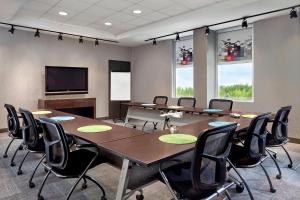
column 137, row 11
column 63, row 13
column 108, row 23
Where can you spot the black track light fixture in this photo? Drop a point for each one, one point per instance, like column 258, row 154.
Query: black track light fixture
column 207, row 30
column 244, row 23
column 60, row 37
column 12, row 29
column 177, row 37
column 96, row 42
column 293, row 13
column 37, row 33
column 80, row 39
column 154, row 41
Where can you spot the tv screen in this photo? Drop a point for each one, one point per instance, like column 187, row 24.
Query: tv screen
column 62, row 80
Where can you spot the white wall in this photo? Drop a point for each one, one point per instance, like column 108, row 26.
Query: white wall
column 22, row 61
column 276, row 69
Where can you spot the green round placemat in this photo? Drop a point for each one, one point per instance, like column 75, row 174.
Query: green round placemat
column 41, row 112
column 178, row 138
column 94, row 128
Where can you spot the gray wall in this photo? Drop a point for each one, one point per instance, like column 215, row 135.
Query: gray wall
column 22, row 61
column 276, row 69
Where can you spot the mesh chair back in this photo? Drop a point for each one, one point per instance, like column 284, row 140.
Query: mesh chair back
column 162, row 100
column 255, row 141
column 56, row 146
column 280, row 124
column 223, row 104
column 209, row 160
column 30, row 129
column 187, row 102
column 13, row 123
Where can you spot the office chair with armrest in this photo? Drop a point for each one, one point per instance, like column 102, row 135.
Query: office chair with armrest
column 278, row 136
column 252, row 151
column 64, row 163
column 186, row 101
column 160, row 100
column 14, row 131
column 223, row 104
column 206, row 175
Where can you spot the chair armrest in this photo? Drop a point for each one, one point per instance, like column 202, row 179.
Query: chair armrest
column 88, row 145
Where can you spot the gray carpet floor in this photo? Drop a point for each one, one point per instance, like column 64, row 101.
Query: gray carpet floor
column 15, row 187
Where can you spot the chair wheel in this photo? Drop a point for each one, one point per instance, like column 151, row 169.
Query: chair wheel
column 139, row 197
column 290, row 165
column 134, row 126
column 275, row 156
column 20, row 147
column 272, row 190
column 103, row 198
column 84, row 186
column 239, row 188
column 12, row 164
column 40, row 198
column 45, row 169
column 31, row 185
column 20, row 172
column 5, row 156
column 278, row 176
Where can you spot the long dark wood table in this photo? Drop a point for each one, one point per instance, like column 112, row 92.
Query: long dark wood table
column 140, row 153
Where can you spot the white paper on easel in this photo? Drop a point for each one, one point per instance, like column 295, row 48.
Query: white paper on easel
column 120, row 86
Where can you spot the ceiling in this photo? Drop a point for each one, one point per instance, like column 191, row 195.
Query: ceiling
column 87, row 17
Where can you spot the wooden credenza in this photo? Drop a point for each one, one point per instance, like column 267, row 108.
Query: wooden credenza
column 85, row 107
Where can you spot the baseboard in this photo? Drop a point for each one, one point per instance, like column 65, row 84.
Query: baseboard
column 3, row 130
column 294, row 140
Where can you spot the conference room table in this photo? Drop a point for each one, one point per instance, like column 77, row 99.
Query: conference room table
column 137, row 153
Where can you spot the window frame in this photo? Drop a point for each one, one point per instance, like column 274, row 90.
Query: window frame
column 217, row 64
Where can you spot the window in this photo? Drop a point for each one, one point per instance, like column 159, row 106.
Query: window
column 183, row 68
column 234, row 65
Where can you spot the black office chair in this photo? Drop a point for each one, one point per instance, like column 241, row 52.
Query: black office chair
column 64, row 163
column 160, row 100
column 186, row 102
column 223, row 104
column 14, row 130
column 206, row 175
column 251, row 152
column 278, row 136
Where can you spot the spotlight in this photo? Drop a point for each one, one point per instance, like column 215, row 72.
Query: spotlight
column 37, row 33
column 207, row 31
column 12, row 29
column 80, row 39
column 96, row 42
column 154, row 41
column 293, row 13
column 177, row 37
column 60, row 37
column 245, row 23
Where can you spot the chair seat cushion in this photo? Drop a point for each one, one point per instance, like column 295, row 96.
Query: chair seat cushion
column 270, row 141
column 179, row 177
column 240, row 157
column 77, row 162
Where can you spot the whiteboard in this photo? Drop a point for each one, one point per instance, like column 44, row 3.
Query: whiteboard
column 120, row 86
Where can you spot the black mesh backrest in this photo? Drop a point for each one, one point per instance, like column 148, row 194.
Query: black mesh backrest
column 13, row 123
column 209, row 160
column 280, row 124
column 56, row 146
column 162, row 100
column 30, row 129
column 187, row 102
column 223, row 104
column 255, row 141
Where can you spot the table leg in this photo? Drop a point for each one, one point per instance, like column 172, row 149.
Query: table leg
column 123, row 181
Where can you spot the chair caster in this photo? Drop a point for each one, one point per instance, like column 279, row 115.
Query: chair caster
column 134, row 126
column 239, row 188
column 272, row 190
column 12, row 164
column 40, row 198
column 290, row 166
column 45, row 170
column 84, row 186
column 103, row 198
column 5, row 156
column 278, row 176
column 20, row 172
column 31, row 185
column 275, row 156
column 21, row 148
column 139, row 197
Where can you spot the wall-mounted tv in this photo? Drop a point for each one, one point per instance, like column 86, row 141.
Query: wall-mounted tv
column 66, row 80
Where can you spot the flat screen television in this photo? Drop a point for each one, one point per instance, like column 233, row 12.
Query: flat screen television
column 66, row 80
